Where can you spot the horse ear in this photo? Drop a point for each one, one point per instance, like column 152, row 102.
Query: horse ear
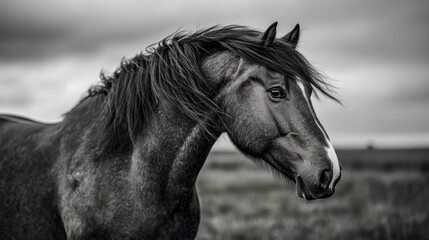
column 293, row 36
column 269, row 35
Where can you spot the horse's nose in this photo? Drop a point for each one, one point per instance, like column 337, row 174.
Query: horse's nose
column 325, row 179
column 315, row 186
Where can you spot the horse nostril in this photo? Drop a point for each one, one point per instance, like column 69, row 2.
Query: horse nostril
column 325, row 179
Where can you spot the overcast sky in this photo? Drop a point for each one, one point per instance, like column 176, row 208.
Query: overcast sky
column 376, row 52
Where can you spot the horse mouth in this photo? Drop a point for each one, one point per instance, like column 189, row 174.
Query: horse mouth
column 301, row 189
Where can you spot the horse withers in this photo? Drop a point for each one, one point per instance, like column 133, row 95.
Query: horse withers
column 124, row 161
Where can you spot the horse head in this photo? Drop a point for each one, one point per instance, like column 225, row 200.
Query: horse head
column 269, row 116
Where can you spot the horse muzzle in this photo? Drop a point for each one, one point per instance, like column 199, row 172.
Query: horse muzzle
column 311, row 188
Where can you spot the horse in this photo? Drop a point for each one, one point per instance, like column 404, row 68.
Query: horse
column 123, row 163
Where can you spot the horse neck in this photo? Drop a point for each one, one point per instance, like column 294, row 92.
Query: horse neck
column 169, row 153
column 171, row 150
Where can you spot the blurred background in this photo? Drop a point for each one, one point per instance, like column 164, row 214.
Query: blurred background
column 375, row 52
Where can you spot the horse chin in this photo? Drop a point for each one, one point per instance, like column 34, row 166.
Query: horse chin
column 302, row 191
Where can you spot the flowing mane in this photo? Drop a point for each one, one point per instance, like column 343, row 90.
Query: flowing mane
column 170, row 70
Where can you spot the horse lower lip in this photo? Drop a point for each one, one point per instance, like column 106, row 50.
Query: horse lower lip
column 302, row 190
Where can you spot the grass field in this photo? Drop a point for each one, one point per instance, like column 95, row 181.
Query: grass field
column 383, row 194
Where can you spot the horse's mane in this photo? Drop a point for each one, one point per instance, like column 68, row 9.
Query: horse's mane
column 170, row 70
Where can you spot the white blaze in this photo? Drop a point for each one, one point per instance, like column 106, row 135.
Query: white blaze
column 329, row 149
column 335, row 165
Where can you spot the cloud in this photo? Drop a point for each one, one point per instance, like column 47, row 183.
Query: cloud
column 49, row 28
column 361, row 30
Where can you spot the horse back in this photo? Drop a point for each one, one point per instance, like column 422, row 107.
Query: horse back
column 27, row 183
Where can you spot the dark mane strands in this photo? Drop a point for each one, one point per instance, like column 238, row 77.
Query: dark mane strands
column 170, row 70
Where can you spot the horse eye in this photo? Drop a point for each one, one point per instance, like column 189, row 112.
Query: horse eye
column 277, row 93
